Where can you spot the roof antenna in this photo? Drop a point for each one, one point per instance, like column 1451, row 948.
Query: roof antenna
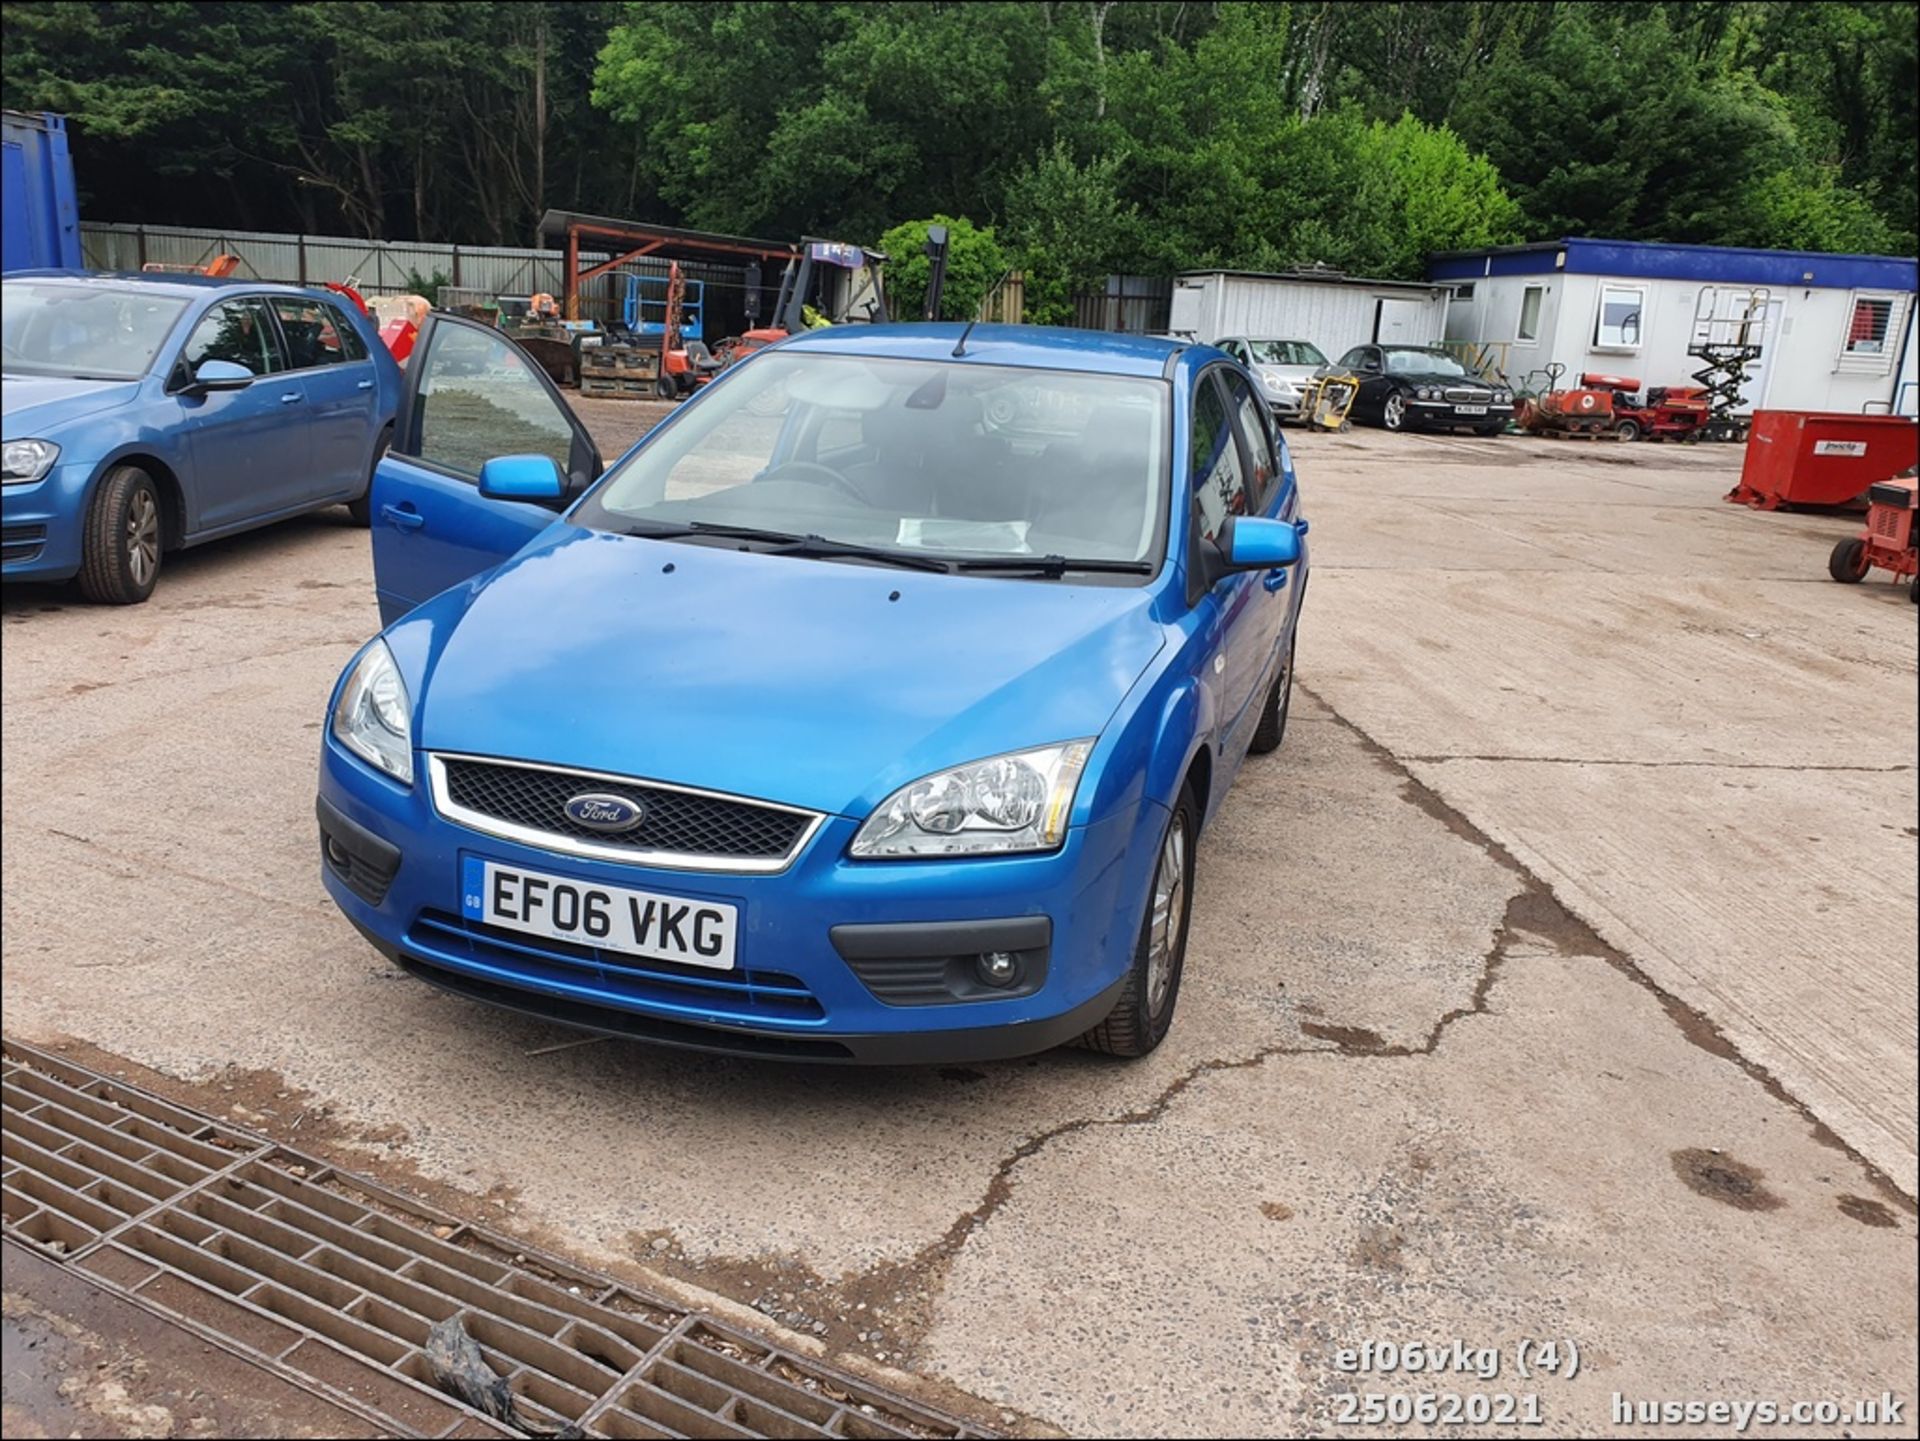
column 960, row 345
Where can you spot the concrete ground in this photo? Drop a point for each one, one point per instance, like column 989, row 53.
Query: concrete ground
column 1555, row 981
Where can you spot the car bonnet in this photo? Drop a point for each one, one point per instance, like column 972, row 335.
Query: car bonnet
column 809, row 682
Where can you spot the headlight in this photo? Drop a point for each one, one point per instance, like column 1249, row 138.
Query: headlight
column 1502, row 397
column 23, row 461
column 1276, row 380
column 1017, row 802
column 371, row 719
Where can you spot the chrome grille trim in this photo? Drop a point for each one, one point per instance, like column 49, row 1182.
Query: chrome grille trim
column 449, row 809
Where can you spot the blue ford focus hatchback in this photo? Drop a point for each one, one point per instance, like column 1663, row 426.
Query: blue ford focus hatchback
column 869, row 709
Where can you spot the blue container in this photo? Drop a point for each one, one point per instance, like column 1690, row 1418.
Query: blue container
column 41, row 215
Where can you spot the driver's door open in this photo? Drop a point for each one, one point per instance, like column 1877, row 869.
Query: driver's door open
column 471, row 395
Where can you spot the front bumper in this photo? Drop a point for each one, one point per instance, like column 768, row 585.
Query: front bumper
column 838, row 960
column 1445, row 413
column 42, row 523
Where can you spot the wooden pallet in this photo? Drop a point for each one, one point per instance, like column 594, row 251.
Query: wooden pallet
column 619, row 387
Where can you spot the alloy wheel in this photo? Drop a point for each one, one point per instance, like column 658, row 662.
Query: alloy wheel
column 1394, row 412
column 1169, row 914
column 143, row 536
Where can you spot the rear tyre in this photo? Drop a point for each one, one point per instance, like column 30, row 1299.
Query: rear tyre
column 1848, row 563
column 1139, row 1019
column 1628, row 430
column 1913, row 590
column 666, row 387
column 361, row 510
column 1273, row 720
column 120, row 548
column 1393, row 411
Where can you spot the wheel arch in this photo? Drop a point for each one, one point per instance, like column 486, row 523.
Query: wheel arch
column 173, row 497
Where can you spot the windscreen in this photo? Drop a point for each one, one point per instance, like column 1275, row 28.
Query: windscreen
column 84, row 331
column 1286, row 352
column 1423, row 362
column 955, row 459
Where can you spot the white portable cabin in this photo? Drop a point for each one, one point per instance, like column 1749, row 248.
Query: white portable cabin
column 1336, row 312
column 1835, row 332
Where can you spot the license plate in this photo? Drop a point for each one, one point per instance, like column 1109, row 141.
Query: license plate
column 613, row 918
column 1469, row 410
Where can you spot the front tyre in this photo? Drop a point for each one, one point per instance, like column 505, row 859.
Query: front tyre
column 1848, row 563
column 1273, row 719
column 1139, row 1019
column 1393, row 411
column 120, row 549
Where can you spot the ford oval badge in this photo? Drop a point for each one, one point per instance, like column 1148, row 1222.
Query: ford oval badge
column 598, row 811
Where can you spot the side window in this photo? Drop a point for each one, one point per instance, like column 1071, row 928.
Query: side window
column 1219, row 485
column 1251, row 414
column 317, row 333
column 1354, row 358
column 346, row 334
column 239, row 331
column 480, row 397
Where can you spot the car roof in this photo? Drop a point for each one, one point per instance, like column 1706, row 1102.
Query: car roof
column 163, row 283
column 1043, row 347
column 1270, row 340
column 1423, row 349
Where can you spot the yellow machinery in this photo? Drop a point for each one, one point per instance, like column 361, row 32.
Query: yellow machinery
column 1328, row 399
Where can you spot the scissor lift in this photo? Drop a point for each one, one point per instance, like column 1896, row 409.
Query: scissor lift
column 1729, row 333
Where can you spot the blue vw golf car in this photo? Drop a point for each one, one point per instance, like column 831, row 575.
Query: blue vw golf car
column 145, row 413
column 869, row 709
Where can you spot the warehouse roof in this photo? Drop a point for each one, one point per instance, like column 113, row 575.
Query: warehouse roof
column 1717, row 264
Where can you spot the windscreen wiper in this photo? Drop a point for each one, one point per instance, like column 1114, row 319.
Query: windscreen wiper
column 785, row 542
column 1055, row 566
column 818, row 547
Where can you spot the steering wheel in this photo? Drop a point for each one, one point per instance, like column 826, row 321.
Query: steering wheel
column 821, row 474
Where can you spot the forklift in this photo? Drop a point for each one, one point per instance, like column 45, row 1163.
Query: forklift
column 844, row 278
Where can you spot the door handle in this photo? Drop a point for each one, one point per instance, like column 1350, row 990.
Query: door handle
column 292, row 397
column 402, row 517
column 1275, row 579
column 364, row 385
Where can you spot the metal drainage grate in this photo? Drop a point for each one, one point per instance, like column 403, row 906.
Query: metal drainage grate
column 334, row 1281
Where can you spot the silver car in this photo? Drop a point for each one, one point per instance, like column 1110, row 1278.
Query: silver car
column 1283, row 368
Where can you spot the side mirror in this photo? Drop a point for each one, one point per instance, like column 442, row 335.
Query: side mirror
column 215, row 375
column 534, row 478
column 1370, row 365
column 1251, row 542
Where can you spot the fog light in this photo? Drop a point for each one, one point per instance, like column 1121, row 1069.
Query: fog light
column 997, row 968
column 337, row 855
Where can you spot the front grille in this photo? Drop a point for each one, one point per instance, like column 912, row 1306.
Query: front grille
column 687, row 827
column 743, row 995
column 1468, row 397
column 22, row 542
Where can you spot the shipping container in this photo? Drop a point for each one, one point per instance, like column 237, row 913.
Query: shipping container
column 1334, row 312
column 40, row 220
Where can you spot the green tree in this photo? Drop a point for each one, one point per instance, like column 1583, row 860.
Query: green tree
column 975, row 263
column 1069, row 229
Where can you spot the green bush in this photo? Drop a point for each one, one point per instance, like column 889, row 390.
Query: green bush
column 975, row 263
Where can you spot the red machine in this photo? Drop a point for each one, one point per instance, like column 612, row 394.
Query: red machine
column 1671, row 412
column 1889, row 540
column 1821, row 457
column 1586, row 410
column 400, row 323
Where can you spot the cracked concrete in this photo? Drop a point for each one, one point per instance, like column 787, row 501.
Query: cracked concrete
column 1458, row 1056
